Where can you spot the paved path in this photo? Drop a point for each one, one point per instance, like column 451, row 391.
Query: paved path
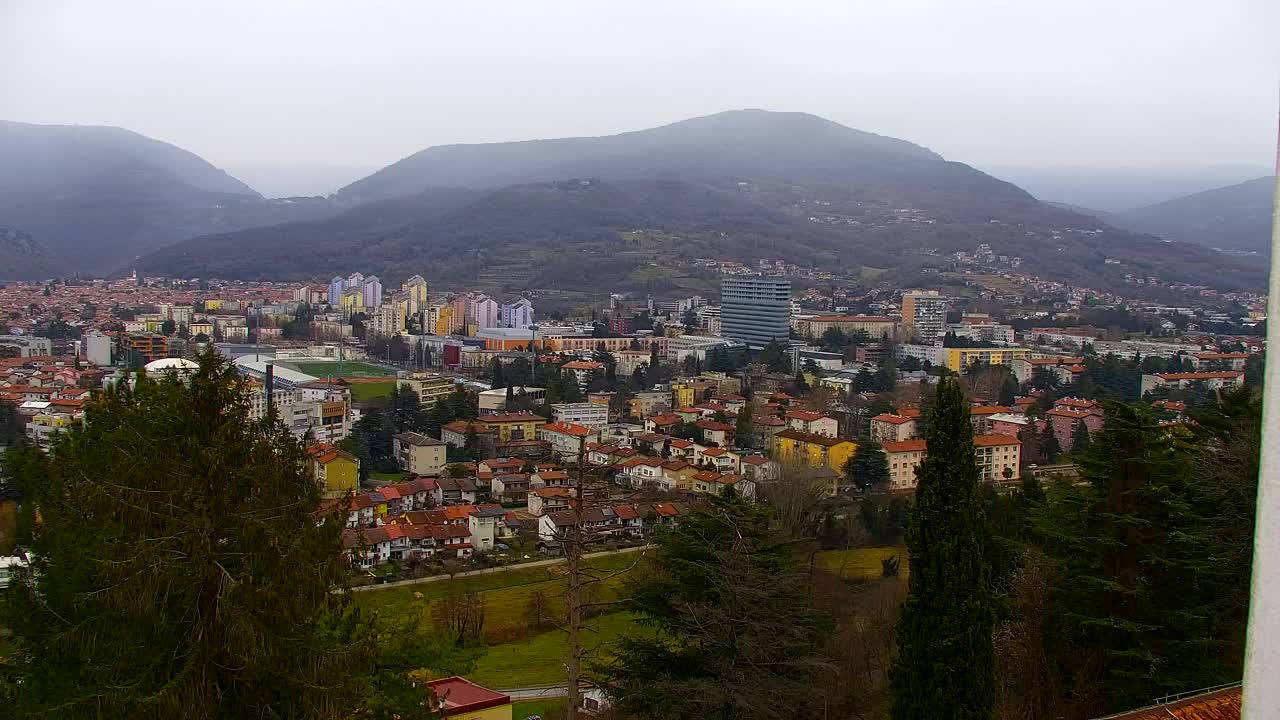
column 492, row 570
column 536, row 692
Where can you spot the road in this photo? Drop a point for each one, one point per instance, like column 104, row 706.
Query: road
column 535, row 692
column 490, row 571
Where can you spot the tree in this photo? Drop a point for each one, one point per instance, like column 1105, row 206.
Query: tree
column 1050, row 448
column 742, row 427
column 461, row 615
column 495, row 374
column 1141, row 574
column 168, row 327
column 738, row 635
column 869, row 468
column 946, row 663
column 1079, row 437
column 182, row 570
column 774, row 357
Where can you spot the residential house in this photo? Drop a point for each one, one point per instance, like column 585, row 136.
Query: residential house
column 418, row 454
column 678, row 474
column 483, row 524
column 793, row 446
column 994, row 454
column 567, row 439
column 512, row 426
column 758, row 468
column 510, row 488
column 716, row 432
column 892, row 428
column 1217, row 380
column 812, row 423
column 457, row 491
column 549, row 500
column 337, row 471
column 582, row 370
column 721, row 459
column 454, row 434
column 980, row 417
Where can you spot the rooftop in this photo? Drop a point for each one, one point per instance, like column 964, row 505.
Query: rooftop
column 458, row 695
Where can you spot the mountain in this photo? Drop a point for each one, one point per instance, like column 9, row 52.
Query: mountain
column 21, row 257
column 96, row 197
column 1236, row 218
column 634, row 211
column 1116, row 189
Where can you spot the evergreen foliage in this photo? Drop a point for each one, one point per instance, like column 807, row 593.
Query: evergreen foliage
column 869, row 468
column 738, row 635
column 946, row 662
column 181, row 570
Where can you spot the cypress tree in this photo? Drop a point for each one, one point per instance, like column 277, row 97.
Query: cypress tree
column 946, row 663
column 869, row 468
column 1080, row 437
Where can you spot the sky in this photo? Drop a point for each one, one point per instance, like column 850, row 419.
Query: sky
column 364, row 83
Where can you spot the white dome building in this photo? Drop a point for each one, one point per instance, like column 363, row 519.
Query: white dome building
column 181, row 366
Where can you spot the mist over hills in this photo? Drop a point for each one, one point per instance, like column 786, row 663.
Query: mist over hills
column 94, row 197
column 1119, row 189
column 595, row 212
column 1235, row 218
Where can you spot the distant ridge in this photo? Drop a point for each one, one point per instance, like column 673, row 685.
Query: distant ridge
column 1235, row 218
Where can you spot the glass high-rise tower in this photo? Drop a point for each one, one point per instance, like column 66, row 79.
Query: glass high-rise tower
column 755, row 310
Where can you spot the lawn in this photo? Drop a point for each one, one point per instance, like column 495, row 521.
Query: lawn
column 353, row 368
column 506, row 594
column 392, row 477
column 539, row 660
column 861, row 562
column 549, row 709
column 366, row 391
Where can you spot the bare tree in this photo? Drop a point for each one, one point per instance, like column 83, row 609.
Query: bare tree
column 795, row 495
column 461, row 615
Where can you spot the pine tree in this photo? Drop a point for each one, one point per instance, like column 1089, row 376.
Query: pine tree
column 738, row 635
column 180, row 568
column 743, row 428
column 495, row 372
column 1079, row 437
column 1050, row 448
column 869, row 468
column 946, row 663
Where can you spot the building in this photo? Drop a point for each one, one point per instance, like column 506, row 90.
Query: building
column 512, row 426
column 336, row 471
column 567, row 439
column 876, row 328
column 25, row 346
column 97, row 348
column 1219, row 361
column 903, row 458
column 956, row 359
column 593, row 416
column 1024, row 368
column 995, row 455
column 755, row 310
column 460, row 698
column 429, row 387
column 496, row 399
column 371, row 290
column 517, row 313
column 418, row 454
column 148, row 345
column 793, row 446
column 812, row 423
column 582, row 370
column 647, row 404
column 924, row 315
column 1180, row 381
column 892, row 428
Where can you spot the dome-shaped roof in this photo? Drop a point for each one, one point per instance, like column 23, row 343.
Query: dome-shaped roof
column 166, row 364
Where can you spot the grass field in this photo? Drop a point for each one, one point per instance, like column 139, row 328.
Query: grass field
column 366, row 391
column 539, row 660
column 861, row 563
column 550, row 709
column 353, row 368
column 506, row 594
column 387, row 476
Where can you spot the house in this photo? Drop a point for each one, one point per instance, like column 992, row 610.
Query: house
column 716, row 432
column 980, row 417
column 337, row 471
column 887, row 427
column 813, row 450
column 645, row 404
column 678, row 474
column 1067, row 412
column 567, row 439
column 645, row 471
column 555, row 526
column 463, row 699
column 711, row 482
column 812, row 423
column 662, row 423
column 483, row 525
column 549, row 500
column 731, row 402
column 1008, row 423
column 903, row 458
column 500, row 465
column 582, row 370
column 758, row 468
column 457, row 491
column 721, row 459
column 512, row 426
column 510, row 488
column 1217, row 380
column 681, row 449
column 367, row 547
column 418, row 454
column 765, row 426
column 1219, row 361
column 454, row 434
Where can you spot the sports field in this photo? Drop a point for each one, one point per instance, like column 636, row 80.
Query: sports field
column 333, row 368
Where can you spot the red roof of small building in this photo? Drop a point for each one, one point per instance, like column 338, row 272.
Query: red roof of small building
column 995, row 440
column 988, row 410
column 904, row 446
column 573, row 429
column 1226, row 374
column 891, row 419
column 804, row 415
column 582, row 365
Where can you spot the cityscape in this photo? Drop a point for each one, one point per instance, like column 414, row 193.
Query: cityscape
column 402, row 361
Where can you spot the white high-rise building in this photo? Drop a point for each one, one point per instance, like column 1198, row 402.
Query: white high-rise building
column 924, row 316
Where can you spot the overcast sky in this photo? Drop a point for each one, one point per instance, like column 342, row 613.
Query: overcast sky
column 364, row 83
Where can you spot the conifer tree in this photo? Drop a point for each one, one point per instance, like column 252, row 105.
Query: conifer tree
column 182, row 569
column 1080, row 437
column 946, row 663
column 869, row 468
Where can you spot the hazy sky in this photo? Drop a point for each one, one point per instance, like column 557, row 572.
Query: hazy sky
column 366, row 82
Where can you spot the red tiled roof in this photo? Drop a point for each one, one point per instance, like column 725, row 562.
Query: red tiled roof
column 988, row 410
column 573, row 429
column 995, row 440
column 713, row 425
column 1225, row 704
column 511, row 417
column 1201, row 375
column 804, row 415
column 582, row 365
column 755, row 460
column 891, row 419
column 810, row 438
column 904, row 446
column 1222, row 356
